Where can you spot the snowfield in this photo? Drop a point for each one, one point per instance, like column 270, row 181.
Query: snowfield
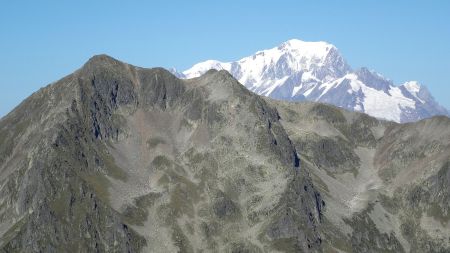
column 316, row 71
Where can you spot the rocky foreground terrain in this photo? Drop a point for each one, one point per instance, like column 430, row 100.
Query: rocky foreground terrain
column 117, row 158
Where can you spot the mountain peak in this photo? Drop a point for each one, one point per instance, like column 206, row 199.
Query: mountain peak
column 413, row 86
column 101, row 59
column 366, row 71
column 374, row 79
column 306, row 49
column 306, row 45
column 202, row 67
column 316, row 71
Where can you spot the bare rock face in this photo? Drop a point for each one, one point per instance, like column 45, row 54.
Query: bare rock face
column 119, row 158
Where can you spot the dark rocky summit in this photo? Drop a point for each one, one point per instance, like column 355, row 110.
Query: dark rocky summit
column 124, row 159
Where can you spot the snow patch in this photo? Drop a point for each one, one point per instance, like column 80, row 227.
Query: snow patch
column 382, row 105
column 413, row 87
column 202, row 67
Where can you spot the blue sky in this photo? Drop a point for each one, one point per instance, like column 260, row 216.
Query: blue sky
column 42, row 41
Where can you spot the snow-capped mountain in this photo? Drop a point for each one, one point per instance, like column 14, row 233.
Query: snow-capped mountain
column 316, row 71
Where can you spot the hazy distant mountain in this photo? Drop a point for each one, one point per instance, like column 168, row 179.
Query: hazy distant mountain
column 316, row 71
column 117, row 158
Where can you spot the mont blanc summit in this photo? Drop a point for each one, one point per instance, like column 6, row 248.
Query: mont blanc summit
column 316, row 71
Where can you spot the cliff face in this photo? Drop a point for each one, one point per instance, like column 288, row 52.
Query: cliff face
column 119, row 158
